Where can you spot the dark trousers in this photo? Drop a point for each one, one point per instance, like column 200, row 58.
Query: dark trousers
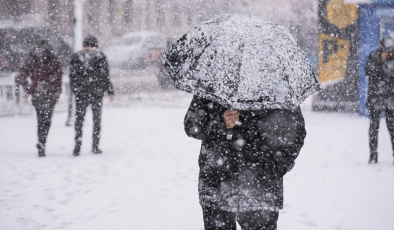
column 81, row 106
column 374, row 116
column 215, row 219
column 44, row 116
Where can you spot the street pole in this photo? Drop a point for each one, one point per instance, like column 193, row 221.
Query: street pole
column 78, row 16
column 143, row 14
column 77, row 10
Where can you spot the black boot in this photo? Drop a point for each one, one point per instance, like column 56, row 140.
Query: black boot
column 41, row 149
column 373, row 158
column 77, row 148
column 96, row 150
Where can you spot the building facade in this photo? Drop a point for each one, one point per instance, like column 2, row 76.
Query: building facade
column 348, row 31
column 109, row 19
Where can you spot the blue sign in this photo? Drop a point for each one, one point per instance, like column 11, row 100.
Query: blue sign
column 368, row 1
column 376, row 22
column 382, row 1
column 385, row 13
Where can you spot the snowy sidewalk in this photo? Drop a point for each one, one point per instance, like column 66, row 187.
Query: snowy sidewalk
column 147, row 177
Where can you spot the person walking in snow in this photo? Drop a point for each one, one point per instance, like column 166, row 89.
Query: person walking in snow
column 41, row 77
column 89, row 80
column 243, row 158
column 379, row 69
column 246, row 110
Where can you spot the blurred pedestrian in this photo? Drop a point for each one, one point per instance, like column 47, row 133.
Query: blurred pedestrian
column 379, row 69
column 89, row 80
column 43, row 68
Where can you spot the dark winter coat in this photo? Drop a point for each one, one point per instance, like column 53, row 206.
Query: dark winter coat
column 89, row 74
column 244, row 173
column 380, row 82
column 43, row 68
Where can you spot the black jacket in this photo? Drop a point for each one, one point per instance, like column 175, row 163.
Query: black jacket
column 43, row 69
column 380, row 82
column 89, row 74
column 244, row 173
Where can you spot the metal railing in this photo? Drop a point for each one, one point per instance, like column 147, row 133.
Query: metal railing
column 15, row 101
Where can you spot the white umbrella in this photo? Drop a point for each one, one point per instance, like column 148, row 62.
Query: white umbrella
column 241, row 62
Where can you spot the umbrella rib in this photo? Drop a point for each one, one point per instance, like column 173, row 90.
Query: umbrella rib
column 241, row 49
column 192, row 65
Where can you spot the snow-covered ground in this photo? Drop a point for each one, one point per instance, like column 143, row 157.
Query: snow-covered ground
column 147, row 177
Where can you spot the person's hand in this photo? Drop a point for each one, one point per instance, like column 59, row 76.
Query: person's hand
column 385, row 55
column 111, row 97
column 390, row 55
column 230, row 118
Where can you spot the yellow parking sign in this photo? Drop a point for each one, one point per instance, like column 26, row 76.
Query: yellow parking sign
column 333, row 54
column 340, row 14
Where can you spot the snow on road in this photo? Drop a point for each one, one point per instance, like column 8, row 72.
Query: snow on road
column 147, row 177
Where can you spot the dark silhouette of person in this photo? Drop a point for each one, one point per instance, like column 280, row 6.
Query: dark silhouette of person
column 379, row 69
column 43, row 68
column 89, row 81
column 243, row 158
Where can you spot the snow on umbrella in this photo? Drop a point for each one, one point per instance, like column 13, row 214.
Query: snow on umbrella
column 241, row 62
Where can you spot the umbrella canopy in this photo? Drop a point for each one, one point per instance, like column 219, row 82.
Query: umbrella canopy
column 241, row 62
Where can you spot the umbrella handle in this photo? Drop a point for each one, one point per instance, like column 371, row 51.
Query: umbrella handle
column 229, row 134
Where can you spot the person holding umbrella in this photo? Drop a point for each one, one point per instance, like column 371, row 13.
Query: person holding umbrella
column 248, row 78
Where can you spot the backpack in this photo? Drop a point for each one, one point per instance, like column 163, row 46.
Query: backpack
column 45, row 95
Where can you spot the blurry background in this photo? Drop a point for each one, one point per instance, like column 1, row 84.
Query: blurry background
column 336, row 35
column 110, row 19
column 342, row 192
column 132, row 33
